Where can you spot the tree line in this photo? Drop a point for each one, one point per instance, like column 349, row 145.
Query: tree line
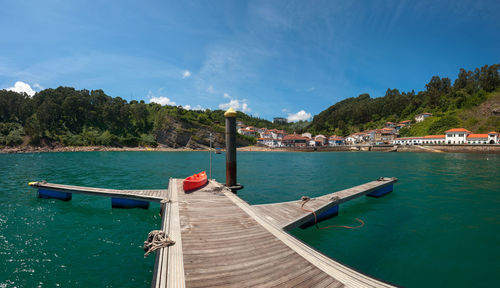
column 81, row 118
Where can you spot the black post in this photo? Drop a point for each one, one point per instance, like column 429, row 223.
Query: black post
column 230, row 148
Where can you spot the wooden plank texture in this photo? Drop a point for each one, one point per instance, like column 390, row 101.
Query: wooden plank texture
column 223, row 246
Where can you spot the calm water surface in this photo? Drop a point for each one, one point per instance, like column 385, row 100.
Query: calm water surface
column 439, row 228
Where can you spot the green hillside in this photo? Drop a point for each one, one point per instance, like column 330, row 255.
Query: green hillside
column 69, row 117
column 469, row 102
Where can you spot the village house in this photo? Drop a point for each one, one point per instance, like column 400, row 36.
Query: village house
column 261, row 130
column 266, row 134
column 320, row 140
column 270, row 142
column 421, row 117
column 307, row 135
column 390, row 124
column 294, row 140
column 405, row 123
column 277, row 134
column 249, row 131
column 387, row 135
column 349, row 140
column 358, row 137
column 335, row 140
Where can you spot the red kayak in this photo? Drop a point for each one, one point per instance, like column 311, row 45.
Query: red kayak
column 194, row 182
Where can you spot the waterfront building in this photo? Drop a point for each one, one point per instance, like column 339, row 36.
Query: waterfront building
column 477, row 139
column 270, row 142
column 408, row 141
column 493, row 137
column 421, row 117
column 457, row 136
column 307, row 135
column 434, row 139
column 335, row 140
column 294, row 140
column 321, row 139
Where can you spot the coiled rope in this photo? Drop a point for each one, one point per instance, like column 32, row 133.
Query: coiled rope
column 306, row 199
column 157, row 239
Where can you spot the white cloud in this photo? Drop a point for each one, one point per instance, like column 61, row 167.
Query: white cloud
column 284, row 110
column 186, row 74
column 188, row 107
column 162, row 101
column 236, row 104
column 159, row 99
column 301, row 115
column 21, row 87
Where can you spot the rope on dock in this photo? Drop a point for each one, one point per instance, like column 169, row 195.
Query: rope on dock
column 157, row 239
column 306, row 199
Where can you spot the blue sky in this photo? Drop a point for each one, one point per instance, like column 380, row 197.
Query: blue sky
column 266, row 58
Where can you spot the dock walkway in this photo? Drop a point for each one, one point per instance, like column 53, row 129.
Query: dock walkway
column 222, row 241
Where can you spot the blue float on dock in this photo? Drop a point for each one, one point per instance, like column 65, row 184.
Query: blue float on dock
column 331, row 212
column 381, row 192
column 51, row 194
column 128, row 203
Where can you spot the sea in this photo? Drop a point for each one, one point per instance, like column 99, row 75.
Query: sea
column 440, row 227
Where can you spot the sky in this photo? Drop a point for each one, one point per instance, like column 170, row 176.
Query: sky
column 268, row 59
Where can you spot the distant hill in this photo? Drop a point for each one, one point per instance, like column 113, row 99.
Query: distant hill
column 472, row 102
column 69, row 117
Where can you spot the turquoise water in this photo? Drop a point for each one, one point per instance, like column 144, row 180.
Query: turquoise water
column 440, row 226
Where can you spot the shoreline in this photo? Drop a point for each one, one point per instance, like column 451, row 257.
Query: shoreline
column 450, row 148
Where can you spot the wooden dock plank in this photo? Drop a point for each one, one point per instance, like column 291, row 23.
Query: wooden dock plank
column 289, row 215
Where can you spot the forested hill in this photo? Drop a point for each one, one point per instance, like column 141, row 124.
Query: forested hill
column 452, row 104
column 69, row 117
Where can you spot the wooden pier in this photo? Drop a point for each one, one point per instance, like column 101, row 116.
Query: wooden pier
column 222, row 241
column 289, row 215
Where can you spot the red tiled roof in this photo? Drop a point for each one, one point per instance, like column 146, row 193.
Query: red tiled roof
column 457, row 130
column 493, row 132
column 434, row 136
column 477, row 136
column 294, row 137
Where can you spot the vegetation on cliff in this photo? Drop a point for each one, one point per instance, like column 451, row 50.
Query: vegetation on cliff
column 451, row 105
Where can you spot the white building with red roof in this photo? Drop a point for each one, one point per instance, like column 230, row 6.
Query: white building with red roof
column 335, row 140
column 457, row 136
column 493, row 137
column 294, row 140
